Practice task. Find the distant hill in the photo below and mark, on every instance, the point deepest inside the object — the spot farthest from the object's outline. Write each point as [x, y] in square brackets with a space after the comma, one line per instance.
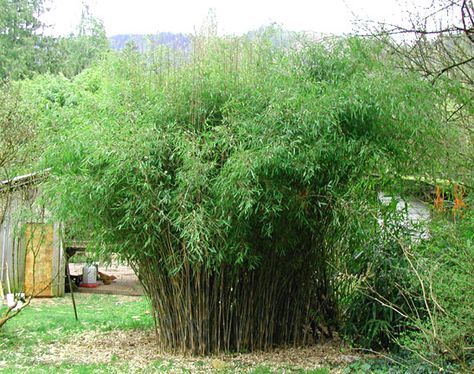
[279, 38]
[144, 42]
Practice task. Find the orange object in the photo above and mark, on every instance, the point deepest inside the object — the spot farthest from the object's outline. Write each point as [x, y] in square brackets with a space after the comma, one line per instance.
[439, 201]
[459, 203]
[89, 285]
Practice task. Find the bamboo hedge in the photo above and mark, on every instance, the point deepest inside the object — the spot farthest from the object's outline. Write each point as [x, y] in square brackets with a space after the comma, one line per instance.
[230, 175]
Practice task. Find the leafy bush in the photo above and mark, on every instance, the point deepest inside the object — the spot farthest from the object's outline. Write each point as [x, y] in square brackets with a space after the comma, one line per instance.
[376, 307]
[232, 177]
[415, 295]
[445, 267]
[17, 130]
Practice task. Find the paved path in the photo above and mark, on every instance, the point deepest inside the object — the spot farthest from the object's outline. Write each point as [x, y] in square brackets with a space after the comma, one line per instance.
[126, 283]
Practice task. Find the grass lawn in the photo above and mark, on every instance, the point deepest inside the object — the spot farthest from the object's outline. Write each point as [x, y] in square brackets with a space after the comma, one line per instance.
[47, 323]
[115, 334]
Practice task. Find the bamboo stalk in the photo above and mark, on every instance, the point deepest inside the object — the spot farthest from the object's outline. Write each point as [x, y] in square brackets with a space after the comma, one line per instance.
[200, 311]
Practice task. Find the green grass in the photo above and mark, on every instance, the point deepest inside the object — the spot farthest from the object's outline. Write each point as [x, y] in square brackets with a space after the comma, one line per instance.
[52, 321]
[68, 368]
[48, 322]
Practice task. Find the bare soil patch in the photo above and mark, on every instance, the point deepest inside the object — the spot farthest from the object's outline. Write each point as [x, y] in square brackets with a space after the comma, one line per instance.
[139, 348]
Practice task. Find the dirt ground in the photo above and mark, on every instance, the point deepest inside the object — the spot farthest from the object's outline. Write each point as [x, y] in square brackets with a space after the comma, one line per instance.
[127, 282]
[139, 348]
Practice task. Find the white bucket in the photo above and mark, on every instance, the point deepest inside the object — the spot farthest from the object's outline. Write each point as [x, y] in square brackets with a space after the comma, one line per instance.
[89, 274]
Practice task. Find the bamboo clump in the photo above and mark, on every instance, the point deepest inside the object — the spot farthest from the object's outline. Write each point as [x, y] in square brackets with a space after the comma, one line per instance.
[203, 311]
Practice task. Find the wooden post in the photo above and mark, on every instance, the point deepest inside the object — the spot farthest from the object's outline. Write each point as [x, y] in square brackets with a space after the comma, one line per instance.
[71, 290]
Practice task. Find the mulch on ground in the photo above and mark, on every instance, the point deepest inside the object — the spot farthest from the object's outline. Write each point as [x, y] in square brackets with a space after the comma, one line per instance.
[139, 348]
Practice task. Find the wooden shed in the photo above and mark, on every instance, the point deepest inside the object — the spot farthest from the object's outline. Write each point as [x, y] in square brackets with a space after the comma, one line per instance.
[32, 259]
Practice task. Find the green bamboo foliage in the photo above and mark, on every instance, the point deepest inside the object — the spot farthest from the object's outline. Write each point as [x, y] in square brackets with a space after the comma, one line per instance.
[220, 172]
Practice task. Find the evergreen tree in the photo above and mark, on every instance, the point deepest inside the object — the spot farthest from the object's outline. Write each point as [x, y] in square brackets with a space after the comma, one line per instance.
[19, 26]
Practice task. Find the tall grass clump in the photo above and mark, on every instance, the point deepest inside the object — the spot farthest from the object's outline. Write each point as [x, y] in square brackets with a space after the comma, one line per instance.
[222, 175]
[444, 266]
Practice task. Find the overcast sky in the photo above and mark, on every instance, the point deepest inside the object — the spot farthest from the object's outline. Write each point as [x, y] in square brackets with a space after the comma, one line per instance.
[233, 16]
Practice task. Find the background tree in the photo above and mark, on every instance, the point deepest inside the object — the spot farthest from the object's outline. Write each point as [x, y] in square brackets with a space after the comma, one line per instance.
[438, 42]
[19, 27]
[16, 130]
[25, 50]
[84, 47]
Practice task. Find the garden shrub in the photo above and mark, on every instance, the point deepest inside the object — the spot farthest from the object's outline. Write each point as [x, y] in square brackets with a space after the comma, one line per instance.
[231, 176]
[445, 265]
[375, 309]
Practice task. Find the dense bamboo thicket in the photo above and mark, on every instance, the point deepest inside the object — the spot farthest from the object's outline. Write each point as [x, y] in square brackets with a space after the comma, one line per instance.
[223, 174]
[203, 311]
